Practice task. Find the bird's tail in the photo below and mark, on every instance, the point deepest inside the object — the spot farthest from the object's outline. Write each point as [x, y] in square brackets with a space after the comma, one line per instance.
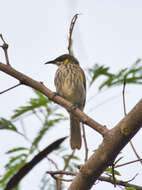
[75, 139]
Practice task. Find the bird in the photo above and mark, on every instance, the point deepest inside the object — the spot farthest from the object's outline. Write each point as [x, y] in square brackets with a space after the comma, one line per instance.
[70, 83]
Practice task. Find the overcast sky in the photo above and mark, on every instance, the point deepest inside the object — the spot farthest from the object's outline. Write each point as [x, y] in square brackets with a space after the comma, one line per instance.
[108, 32]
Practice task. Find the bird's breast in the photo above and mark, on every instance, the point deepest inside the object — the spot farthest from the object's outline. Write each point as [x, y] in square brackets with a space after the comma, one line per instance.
[69, 84]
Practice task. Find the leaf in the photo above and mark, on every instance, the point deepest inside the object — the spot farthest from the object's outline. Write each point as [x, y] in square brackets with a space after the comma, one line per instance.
[130, 188]
[97, 71]
[10, 172]
[16, 159]
[33, 104]
[131, 75]
[16, 149]
[47, 125]
[27, 167]
[109, 170]
[7, 124]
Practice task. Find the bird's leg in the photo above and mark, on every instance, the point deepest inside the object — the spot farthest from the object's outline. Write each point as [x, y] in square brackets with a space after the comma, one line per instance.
[54, 94]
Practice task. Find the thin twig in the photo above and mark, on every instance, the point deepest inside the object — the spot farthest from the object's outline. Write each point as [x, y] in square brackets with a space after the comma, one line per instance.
[119, 182]
[24, 131]
[125, 113]
[10, 88]
[59, 181]
[61, 172]
[85, 143]
[54, 163]
[5, 48]
[70, 31]
[113, 176]
[131, 179]
[38, 117]
[60, 178]
[135, 152]
[127, 163]
[123, 94]
[68, 160]
[101, 178]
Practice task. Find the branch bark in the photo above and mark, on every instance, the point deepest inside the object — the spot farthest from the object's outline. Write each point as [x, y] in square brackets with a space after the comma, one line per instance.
[51, 95]
[114, 139]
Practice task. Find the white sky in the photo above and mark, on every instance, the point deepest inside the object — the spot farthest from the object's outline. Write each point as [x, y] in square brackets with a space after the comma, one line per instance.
[107, 32]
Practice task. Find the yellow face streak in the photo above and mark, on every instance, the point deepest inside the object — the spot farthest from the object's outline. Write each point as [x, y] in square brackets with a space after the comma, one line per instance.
[66, 61]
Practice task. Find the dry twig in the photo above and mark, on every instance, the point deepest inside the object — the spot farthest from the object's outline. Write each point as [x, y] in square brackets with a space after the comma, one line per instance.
[5, 48]
[85, 143]
[125, 113]
[60, 178]
[10, 88]
[127, 163]
[70, 32]
[101, 178]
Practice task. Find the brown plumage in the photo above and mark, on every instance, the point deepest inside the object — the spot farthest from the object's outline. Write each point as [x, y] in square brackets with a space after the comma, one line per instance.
[70, 83]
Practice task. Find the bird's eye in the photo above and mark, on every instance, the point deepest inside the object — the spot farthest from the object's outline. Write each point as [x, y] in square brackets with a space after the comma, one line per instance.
[66, 61]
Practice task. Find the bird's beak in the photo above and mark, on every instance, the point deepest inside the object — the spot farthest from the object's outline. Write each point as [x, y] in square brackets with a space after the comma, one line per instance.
[51, 62]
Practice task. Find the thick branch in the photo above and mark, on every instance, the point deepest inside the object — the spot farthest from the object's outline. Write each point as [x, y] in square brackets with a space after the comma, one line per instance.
[57, 99]
[114, 141]
[28, 166]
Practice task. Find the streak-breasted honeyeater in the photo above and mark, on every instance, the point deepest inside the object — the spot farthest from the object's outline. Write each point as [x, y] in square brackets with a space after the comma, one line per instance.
[70, 83]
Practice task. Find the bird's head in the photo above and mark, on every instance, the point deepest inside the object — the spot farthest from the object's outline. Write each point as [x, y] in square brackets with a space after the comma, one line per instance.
[63, 60]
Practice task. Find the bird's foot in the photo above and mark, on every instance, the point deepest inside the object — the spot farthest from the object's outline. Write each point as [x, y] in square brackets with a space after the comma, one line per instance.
[54, 94]
[73, 107]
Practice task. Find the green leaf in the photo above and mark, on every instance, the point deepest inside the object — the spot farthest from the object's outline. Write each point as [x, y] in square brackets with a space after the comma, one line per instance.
[97, 71]
[7, 124]
[16, 160]
[10, 172]
[16, 150]
[109, 170]
[33, 104]
[28, 166]
[46, 126]
[130, 188]
[131, 75]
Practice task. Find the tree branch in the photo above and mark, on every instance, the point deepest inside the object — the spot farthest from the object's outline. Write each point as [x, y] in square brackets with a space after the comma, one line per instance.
[85, 143]
[5, 48]
[127, 163]
[28, 166]
[114, 139]
[119, 182]
[51, 95]
[125, 113]
[73, 21]
[10, 88]
[101, 178]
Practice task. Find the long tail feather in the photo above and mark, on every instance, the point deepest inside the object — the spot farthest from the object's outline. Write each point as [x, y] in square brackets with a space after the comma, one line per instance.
[75, 139]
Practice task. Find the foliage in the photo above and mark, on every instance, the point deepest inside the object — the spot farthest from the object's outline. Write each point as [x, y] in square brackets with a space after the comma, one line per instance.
[130, 188]
[49, 116]
[131, 75]
[18, 156]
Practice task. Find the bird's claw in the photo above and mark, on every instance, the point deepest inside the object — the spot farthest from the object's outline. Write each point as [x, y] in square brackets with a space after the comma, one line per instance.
[73, 107]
